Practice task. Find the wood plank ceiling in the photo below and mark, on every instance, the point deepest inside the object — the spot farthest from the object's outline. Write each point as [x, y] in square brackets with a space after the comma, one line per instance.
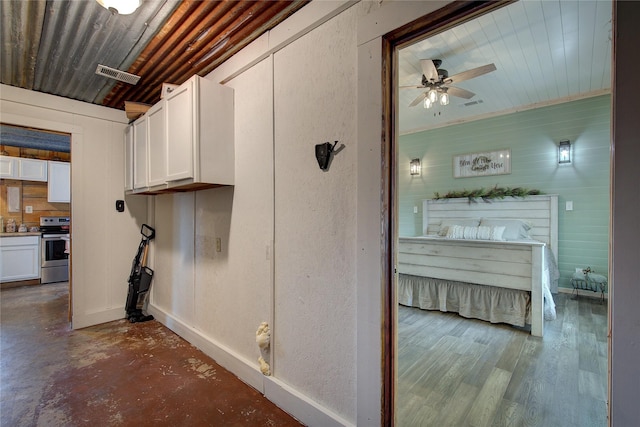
[545, 51]
[55, 46]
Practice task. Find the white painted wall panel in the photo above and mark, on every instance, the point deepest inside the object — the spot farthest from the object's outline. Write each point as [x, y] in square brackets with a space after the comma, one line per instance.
[103, 240]
[315, 222]
[173, 279]
[234, 286]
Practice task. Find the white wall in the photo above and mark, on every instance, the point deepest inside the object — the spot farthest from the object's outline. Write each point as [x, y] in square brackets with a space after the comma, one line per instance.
[104, 241]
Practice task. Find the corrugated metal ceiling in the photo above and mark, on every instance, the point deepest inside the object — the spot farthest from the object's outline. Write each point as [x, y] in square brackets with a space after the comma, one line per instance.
[55, 46]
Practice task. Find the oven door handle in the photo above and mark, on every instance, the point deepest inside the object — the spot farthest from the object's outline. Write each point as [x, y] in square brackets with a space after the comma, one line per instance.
[53, 236]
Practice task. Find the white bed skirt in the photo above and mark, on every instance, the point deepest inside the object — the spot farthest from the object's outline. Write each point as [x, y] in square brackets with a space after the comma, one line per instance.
[492, 304]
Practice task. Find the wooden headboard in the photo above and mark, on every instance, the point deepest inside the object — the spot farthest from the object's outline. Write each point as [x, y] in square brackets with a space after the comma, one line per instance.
[540, 211]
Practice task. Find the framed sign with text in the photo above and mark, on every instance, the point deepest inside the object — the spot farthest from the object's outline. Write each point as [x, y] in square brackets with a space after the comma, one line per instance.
[480, 164]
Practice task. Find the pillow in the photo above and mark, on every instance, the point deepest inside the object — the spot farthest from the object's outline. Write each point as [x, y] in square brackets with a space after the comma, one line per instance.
[473, 233]
[514, 229]
[446, 223]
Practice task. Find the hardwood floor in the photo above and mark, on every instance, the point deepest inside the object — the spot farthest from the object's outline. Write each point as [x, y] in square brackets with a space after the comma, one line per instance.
[454, 371]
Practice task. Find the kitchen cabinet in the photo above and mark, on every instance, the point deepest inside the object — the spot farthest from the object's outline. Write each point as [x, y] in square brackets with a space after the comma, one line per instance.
[23, 168]
[8, 167]
[157, 144]
[20, 258]
[200, 140]
[32, 169]
[185, 142]
[140, 177]
[59, 182]
[128, 158]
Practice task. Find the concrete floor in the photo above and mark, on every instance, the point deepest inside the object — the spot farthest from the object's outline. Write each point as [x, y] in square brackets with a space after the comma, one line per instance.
[115, 374]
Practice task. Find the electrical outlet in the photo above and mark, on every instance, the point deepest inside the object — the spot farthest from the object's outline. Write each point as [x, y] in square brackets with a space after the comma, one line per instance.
[28, 209]
[415, 209]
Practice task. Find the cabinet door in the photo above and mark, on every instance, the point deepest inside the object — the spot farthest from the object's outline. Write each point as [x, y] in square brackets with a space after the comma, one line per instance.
[128, 158]
[180, 132]
[59, 183]
[32, 170]
[157, 144]
[20, 258]
[8, 166]
[140, 153]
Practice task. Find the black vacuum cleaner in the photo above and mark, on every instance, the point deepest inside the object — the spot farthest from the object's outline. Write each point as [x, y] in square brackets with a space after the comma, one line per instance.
[140, 279]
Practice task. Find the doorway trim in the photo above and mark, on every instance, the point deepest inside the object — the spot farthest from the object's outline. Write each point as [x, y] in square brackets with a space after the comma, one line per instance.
[76, 135]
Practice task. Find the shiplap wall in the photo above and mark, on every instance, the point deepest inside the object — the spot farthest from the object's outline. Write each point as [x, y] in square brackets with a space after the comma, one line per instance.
[532, 136]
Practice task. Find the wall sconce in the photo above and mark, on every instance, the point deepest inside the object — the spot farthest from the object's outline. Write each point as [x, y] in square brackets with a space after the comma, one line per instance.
[564, 152]
[414, 167]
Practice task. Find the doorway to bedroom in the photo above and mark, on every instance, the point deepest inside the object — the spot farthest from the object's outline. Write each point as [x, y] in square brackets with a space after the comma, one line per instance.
[517, 81]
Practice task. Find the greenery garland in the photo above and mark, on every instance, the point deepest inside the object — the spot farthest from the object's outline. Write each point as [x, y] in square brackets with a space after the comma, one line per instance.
[488, 194]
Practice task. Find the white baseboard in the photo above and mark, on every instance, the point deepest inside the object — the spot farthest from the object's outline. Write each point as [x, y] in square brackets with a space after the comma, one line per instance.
[286, 398]
[300, 407]
[223, 356]
[84, 320]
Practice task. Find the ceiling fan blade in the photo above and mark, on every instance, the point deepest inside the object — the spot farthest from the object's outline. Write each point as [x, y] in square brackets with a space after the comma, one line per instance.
[469, 74]
[418, 100]
[460, 93]
[429, 70]
[411, 87]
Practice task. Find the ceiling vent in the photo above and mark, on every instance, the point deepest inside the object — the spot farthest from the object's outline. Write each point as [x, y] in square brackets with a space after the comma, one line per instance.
[469, 104]
[112, 73]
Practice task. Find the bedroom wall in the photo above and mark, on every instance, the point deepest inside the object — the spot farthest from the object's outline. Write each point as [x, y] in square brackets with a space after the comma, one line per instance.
[532, 136]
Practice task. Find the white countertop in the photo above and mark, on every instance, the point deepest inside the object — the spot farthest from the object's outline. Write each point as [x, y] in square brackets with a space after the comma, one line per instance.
[18, 234]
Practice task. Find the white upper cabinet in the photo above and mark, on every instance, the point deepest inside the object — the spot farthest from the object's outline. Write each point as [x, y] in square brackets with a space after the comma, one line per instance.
[180, 131]
[184, 142]
[128, 158]
[59, 182]
[200, 135]
[23, 168]
[157, 144]
[140, 177]
[32, 169]
[8, 167]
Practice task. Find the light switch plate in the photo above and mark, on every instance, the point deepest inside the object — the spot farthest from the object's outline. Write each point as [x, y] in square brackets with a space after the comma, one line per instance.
[28, 209]
[569, 205]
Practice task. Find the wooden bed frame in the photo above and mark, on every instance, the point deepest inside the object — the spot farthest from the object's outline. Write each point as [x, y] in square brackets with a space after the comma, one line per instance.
[511, 264]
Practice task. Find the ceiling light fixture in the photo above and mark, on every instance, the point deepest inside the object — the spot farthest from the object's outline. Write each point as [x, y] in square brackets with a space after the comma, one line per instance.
[434, 95]
[444, 98]
[121, 7]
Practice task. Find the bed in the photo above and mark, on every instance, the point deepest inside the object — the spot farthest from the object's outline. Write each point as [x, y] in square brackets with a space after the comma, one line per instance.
[492, 260]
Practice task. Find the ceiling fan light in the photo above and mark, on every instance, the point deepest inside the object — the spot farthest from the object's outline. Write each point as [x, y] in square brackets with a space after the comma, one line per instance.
[427, 102]
[433, 96]
[444, 99]
[121, 7]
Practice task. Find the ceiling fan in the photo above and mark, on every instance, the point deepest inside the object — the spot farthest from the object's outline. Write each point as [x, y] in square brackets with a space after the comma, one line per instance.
[437, 82]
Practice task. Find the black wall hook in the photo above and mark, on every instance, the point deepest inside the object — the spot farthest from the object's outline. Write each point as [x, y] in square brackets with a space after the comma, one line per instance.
[324, 153]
